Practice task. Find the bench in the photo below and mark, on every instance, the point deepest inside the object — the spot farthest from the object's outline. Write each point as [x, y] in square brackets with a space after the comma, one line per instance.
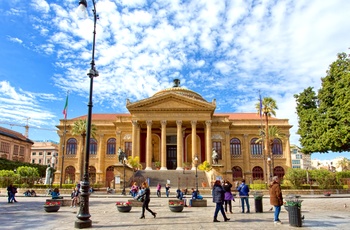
[135, 203]
[64, 202]
[199, 203]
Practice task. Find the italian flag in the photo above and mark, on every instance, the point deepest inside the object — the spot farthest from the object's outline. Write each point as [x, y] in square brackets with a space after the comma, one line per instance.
[65, 108]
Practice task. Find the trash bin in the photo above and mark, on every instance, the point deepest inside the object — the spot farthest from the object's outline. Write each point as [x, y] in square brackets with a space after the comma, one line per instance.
[258, 196]
[293, 206]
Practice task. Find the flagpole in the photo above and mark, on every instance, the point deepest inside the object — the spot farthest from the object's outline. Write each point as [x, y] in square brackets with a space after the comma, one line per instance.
[65, 110]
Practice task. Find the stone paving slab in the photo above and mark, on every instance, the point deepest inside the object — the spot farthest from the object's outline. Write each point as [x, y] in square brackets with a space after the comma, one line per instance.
[28, 213]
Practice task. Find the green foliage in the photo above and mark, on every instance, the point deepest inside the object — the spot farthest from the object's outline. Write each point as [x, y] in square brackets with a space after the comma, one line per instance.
[324, 118]
[324, 178]
[295, 177]
[205, 166]
[11, 165]
[134, 162]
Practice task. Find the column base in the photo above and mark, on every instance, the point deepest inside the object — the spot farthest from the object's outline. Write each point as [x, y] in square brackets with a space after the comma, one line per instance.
[163, 168]
[148, 168]
[179, 168]
[83, 224]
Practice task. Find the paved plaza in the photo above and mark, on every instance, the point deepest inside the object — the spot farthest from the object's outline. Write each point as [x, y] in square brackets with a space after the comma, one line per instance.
[28, 213]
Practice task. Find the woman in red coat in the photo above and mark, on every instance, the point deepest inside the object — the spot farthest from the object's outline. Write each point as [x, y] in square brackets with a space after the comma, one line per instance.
[276, 198]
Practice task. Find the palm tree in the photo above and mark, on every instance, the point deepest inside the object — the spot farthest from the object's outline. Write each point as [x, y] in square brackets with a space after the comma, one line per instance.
[343, 164]
[79, 128]
[267, 108]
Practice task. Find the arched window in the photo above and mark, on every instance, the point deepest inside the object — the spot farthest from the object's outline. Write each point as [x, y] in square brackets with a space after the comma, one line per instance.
[71, 146]
[255, 148]
[111, 146]
[279, 171]
[237, 173]
[69, 175]
[93, 146]
[258, 173]
[277, 147]
[235, 147]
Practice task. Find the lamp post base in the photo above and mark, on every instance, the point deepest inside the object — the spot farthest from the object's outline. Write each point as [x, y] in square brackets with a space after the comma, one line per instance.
[83, 224]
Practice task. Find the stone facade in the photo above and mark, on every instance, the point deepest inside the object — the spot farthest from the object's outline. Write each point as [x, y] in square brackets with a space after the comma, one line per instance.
[173, 127]
[14, 146]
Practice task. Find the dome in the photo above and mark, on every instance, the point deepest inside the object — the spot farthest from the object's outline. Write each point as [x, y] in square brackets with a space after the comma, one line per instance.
[181, 91]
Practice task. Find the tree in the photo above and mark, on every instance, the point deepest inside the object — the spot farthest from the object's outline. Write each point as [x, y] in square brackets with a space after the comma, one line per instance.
[267, 108]
[324, 119]
[79, 128]
[343, 164]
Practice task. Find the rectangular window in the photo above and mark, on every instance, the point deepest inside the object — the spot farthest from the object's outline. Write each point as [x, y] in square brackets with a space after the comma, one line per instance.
[40, 153]
[33, 153]
[128, 148]
[39, 161]
[5, 147]
[217, 147]
[15, 150]
[21, 151]
[33, 161]
[48, 153]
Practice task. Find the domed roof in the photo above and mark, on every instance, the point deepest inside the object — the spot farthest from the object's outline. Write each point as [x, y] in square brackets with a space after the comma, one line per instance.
[181, 91]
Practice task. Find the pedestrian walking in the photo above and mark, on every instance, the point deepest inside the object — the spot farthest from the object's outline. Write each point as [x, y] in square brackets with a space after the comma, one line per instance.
[276, 198]
[243, 190]
[158, 189]
[228, 196]
[146, 195]
[167, 190]
[218, 198]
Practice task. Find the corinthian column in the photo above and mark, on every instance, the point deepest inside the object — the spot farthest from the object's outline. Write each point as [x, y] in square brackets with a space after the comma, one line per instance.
[149, 146]
[208, 144]
[163, 147]
[194, 142]
[134, 138]
[179, 145]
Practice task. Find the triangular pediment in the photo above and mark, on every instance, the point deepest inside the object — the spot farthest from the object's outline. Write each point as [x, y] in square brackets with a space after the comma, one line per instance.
[170, 102]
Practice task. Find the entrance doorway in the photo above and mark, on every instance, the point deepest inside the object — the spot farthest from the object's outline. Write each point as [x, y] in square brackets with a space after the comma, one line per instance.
[171, 151]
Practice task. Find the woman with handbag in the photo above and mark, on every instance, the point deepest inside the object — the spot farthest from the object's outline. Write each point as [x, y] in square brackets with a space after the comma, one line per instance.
[146, 195]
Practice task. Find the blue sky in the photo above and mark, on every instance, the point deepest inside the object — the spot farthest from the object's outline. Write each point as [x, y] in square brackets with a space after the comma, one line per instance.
[224, 50]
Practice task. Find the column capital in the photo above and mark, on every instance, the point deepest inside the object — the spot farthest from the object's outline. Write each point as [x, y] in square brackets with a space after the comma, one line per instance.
[208, 122]
[134, 122]
[149, 122]
[193, 123]
[163, 122]
[178, 122]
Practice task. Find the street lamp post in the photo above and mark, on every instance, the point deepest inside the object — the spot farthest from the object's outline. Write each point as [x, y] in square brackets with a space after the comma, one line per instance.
[124, 160]
[196, 164]
[269, 168]
[84, 215]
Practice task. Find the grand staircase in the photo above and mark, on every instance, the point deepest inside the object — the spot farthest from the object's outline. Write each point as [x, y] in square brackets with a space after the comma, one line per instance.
[177, 178]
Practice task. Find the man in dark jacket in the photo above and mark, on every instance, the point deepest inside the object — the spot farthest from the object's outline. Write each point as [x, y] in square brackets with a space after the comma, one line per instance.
[243, 190]
[218, 198]
[276, 198]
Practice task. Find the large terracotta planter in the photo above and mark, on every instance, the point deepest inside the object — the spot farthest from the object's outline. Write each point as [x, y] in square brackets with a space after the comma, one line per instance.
[176, 208]
[53, 208]
[122, 208]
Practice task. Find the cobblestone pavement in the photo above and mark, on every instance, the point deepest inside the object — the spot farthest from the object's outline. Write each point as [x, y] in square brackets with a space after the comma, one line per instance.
[319, 213]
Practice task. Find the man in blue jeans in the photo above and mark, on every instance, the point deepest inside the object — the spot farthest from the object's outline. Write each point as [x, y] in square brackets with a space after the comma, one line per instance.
[243, 190]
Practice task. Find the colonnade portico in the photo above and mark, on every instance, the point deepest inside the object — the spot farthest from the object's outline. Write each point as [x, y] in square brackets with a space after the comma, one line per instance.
[181, 126]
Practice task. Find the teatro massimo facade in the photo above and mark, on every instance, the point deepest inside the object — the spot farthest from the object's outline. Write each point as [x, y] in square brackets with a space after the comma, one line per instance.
[172, 127]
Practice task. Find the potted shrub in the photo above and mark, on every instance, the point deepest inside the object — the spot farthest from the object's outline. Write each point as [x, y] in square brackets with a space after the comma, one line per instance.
[123, 206]
[52, 206]
[176, 206]
[157, 164]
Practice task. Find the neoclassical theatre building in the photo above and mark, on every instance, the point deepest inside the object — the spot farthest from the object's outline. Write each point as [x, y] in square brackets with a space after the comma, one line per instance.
[172, 127]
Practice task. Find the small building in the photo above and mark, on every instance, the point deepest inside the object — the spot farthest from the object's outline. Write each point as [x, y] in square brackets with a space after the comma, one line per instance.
[14, 146]
[299, 159]
[44, 153]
